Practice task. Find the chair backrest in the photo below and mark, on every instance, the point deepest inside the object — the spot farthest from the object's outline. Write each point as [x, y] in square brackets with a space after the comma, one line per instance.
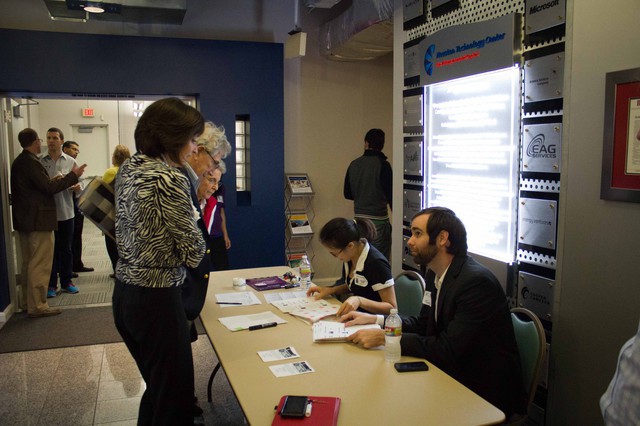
[409, 288]
[532, 344]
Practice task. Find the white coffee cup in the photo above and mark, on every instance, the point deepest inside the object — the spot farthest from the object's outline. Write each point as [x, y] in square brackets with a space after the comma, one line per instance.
[239, 283]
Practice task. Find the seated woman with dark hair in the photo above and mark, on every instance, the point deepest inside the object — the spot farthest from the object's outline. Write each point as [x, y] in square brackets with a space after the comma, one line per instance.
[366, 273]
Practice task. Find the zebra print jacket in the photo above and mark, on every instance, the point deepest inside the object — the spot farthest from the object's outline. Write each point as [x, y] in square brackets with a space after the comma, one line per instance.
[156, 229]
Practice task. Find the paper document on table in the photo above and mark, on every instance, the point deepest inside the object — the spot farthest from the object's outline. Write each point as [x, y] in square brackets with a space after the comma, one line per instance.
[288, 305]
[278, 354]
[244, 298]
[284, 295]
[328, 331]
[243, 322]
[283, 370]
[307, 308]
[315, 310]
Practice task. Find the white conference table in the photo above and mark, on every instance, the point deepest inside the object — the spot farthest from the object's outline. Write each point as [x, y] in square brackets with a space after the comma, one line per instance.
[371, 390]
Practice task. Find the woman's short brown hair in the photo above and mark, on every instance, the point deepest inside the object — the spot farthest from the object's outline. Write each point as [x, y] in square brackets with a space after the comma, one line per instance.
[120, 153]
[165, 127]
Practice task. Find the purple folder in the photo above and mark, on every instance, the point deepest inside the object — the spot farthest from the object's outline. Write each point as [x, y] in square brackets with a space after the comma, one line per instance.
[266, 283]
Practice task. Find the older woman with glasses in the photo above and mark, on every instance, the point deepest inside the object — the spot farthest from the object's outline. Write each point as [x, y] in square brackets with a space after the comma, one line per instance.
[366, 273]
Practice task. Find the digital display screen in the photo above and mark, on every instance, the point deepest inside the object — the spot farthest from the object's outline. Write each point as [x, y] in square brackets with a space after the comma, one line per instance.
[472, 131]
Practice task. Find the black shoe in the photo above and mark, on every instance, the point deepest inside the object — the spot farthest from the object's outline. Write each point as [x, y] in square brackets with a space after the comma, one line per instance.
[74, 275]
[197, 411]
[83, 269]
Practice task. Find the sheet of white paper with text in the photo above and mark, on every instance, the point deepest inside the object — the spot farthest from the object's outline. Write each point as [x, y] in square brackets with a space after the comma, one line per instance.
[278, 354]
[283, 370]
[284, 295]
[243, 322]
[245, 298]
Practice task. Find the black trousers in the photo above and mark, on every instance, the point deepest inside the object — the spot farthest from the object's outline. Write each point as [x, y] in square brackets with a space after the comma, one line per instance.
[154, 327]
[112, 251]
[219, 256]
[76, 246]
[62, 255]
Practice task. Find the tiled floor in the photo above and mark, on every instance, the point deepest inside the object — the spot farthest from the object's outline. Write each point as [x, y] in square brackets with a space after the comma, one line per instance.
[95, 385]
[95, 287]
[98, 384]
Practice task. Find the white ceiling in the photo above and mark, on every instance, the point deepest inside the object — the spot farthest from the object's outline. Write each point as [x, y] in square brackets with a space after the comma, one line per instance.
[241, 20]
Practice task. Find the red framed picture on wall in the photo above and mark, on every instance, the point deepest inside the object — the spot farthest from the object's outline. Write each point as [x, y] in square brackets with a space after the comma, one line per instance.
[621, 149]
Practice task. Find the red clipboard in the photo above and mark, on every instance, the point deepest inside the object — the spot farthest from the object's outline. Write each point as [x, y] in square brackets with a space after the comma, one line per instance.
[324, 412]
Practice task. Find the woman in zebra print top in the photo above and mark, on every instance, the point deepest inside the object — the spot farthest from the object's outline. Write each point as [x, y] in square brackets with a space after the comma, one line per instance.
[157, 237]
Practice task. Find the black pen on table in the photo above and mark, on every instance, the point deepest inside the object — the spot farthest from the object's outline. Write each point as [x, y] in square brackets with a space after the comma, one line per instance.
[228, 303]
[261, 326]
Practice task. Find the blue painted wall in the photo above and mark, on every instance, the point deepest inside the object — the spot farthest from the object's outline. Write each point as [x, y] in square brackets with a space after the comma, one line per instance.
[229, 78]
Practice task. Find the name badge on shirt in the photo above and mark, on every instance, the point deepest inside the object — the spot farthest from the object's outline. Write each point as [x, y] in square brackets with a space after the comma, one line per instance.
[360, 280]
[426, 299]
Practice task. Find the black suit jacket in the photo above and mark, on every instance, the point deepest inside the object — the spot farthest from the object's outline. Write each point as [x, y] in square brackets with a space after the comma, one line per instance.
[194, 288]
[473, 339]
[34, 208]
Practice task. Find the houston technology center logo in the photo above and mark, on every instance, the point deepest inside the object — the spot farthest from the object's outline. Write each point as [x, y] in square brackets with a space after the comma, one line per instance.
[436, 59]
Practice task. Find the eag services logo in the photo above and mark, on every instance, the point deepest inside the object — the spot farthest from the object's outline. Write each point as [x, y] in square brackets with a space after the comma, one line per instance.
[428, 59]
[537, 148]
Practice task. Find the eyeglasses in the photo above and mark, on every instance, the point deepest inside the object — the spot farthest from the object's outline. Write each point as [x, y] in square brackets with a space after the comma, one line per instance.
[212, 159]
[338, 253]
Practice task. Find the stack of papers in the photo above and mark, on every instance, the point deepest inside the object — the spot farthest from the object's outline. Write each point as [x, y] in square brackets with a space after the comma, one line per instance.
[307, 308]
[327, 331]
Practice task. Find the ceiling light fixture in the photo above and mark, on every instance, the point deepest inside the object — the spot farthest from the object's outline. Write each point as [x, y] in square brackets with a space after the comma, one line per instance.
[93, 7]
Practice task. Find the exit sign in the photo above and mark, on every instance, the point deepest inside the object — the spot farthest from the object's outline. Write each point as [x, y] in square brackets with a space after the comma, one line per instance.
[87, 112]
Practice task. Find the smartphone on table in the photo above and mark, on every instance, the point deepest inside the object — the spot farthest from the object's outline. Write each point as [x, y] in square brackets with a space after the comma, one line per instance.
[294, 406]
[404, 367]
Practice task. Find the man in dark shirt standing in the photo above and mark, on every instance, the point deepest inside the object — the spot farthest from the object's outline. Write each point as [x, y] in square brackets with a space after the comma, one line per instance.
[464, 326]
[72, 149]
[34, 218]
[369, 182]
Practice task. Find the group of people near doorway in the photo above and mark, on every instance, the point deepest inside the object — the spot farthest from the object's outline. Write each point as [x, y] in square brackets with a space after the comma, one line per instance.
[44, 195]
[35, 186]
[37, 214]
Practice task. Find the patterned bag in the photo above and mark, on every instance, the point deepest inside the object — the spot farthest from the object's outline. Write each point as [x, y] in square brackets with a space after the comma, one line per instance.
[97, 203]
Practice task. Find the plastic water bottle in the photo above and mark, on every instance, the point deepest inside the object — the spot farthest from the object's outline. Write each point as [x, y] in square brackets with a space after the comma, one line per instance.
[305, 272]
[392, 336]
